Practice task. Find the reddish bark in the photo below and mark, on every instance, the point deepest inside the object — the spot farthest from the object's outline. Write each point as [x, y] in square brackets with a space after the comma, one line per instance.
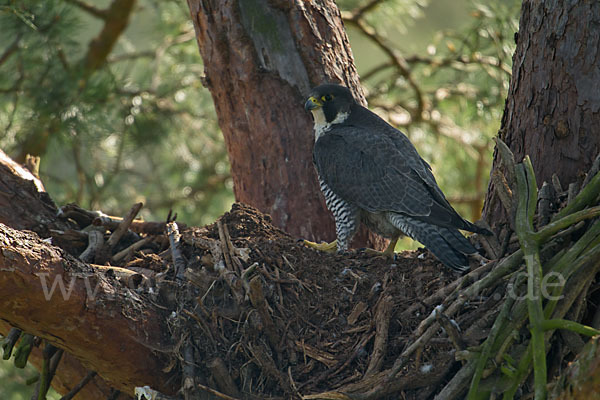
[109, 331]
[99, 332]
[553, 107]
[261, 58]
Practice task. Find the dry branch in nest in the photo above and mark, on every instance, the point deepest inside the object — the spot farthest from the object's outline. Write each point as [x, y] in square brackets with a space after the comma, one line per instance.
[240, 310]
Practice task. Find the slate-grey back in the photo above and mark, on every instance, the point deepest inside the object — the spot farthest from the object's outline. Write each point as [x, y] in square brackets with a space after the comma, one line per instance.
[376, 174]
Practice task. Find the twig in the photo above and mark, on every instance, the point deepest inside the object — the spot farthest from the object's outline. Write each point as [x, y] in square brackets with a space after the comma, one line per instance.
[189, 370]
[443, 293]
[573, 289]
[257, 298]
[265, 361]
[334, 371]
[216, 393]
[546, 197]
[572, 192]
[203, 325]
[565, 222]
[556, 183]
[451, 329]
[552, 324]
[90, 375]
[104, 253]
[95, 243]
[524, 225]
[124, 225]
[178, 260]
[458, 384]
[131, 249]
[9, 342]
[223, 378]
[486, 350]
[382, 323]
[10, 50]
[137, 225]
[23, 350]
[224, 246]
[585, 197]
[52, 356]
[505, 267]
[96, 12]
[399, 63]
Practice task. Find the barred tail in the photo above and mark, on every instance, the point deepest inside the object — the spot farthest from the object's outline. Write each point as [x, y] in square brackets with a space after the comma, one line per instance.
[447, 244]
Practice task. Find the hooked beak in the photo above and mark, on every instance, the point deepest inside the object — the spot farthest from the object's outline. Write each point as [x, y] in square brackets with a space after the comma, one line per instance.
[312, 103]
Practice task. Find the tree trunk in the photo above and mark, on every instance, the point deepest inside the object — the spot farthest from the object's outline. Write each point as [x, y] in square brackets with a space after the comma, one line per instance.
[261, 58]
[106, 330]
[109, 330]
[553, 107]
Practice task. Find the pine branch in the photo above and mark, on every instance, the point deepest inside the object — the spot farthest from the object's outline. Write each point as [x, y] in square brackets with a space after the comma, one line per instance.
[96, 12]
[100, 47]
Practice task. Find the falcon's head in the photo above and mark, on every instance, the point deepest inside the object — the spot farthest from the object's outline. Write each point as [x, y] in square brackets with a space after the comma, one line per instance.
[329, 103]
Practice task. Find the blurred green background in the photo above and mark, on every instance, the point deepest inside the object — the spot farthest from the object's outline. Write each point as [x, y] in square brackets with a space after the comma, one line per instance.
[143, 128]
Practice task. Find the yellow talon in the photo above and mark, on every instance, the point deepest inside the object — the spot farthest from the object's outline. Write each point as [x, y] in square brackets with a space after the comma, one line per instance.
[388, 252]
[327, 247]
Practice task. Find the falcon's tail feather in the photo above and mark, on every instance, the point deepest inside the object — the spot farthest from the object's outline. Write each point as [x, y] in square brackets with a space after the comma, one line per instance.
[447, 244]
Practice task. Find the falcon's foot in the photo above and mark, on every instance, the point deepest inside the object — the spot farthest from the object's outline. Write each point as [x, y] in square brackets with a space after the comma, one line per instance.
[388, 252]
[327, 247]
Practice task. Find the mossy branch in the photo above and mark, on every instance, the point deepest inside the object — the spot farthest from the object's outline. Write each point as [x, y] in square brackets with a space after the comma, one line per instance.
[552, 324]
[587, 196]
[527, 199]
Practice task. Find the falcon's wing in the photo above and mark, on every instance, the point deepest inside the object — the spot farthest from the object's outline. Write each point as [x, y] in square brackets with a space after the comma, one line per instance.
[378, 169]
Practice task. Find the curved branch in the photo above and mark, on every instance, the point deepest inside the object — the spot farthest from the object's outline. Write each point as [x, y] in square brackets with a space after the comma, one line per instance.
[96, 12]
[398, 61]
[116, 21]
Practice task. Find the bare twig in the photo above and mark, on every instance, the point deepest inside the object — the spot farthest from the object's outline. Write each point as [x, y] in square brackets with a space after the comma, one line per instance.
[178, 260]
[131, 249]
[90, 375]
[95, 243]
[124, 225]
[382, 323]
[215, 393]
[96, 12]
[224, 380]
[257, 298]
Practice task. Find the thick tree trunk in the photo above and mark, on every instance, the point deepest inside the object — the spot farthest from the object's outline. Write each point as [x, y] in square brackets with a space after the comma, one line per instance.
[261, 58]
[111, 333]
[108, 330]
[552, 112]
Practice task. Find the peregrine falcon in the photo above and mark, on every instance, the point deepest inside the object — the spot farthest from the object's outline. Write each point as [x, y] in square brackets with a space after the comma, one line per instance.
[370, 172]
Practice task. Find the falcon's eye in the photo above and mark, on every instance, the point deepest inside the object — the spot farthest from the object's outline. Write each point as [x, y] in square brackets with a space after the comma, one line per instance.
[327, 97]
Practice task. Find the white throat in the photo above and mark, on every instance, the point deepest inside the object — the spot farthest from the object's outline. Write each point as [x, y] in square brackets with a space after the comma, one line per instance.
[321, 124]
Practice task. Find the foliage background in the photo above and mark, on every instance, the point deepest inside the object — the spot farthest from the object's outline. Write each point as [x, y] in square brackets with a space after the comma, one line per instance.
[143, 128]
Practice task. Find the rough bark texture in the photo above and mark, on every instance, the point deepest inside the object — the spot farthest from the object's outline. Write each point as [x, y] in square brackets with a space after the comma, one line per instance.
[93, 330]
[261, 58]
[108, 330]
[553, 108]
